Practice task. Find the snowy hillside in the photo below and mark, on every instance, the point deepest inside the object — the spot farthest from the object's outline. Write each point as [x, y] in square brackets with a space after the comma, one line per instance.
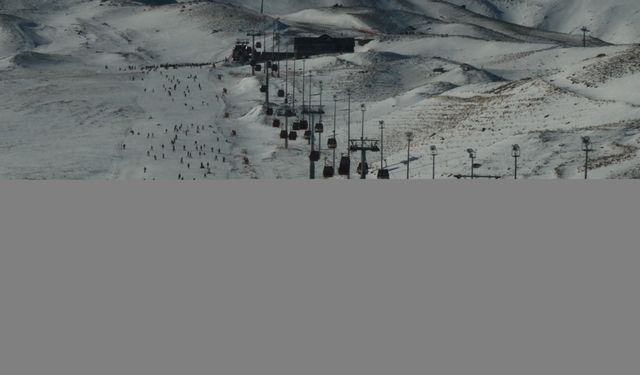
[79, 101]
[613, 21]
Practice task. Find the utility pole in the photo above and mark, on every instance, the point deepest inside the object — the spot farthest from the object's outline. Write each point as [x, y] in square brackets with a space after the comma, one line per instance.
[409, 136]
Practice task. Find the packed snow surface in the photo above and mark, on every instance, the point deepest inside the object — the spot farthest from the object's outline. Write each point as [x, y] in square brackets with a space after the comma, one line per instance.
[83, 94]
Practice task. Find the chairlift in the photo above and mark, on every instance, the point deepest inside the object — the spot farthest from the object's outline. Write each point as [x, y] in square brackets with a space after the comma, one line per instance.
[319, 127]
[304, 125]
[276, 123]
[307, 134]
[281, 93]
[283, 134]
[328, 171]
[383, 174]
[366, 168]
[293, 135]
[314, 156]
[332, 143]
[296, 125]
[345, 165]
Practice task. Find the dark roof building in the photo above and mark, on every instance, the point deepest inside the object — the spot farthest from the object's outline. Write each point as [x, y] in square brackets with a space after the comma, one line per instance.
[306, 47]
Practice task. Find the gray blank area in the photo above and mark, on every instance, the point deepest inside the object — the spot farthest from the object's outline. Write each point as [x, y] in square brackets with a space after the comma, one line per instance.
[305, 279]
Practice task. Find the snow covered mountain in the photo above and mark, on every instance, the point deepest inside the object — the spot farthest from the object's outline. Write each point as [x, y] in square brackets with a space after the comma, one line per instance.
[76, 103]
[613, 21]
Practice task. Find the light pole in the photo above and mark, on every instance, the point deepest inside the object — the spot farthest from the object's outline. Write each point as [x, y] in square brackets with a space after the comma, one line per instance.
[472, 156]
[363, 162]
[320, 109]
[381, 144]
[286, 101]
[348, 128]
[335, 116]
[434, 153]
[409, 136]
[587, 147]
[515, 152]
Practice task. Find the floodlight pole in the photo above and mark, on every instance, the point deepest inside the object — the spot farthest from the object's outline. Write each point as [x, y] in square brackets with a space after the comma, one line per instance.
[312, 163]
[335, 115]
[409, 139]
[587, 147]
[363, 170]
[434, 153]
[286, 100]
[381, 144]
[586, 165]
[320, 109]
[348, 128]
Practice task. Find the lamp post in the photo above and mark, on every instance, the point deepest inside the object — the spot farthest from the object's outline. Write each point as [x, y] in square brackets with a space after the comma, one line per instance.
[348, 128]
[515, 152]
[381, 144]
[363, 159]
[434, 153]
[472, 156]
[409, 136]
[587, 147]
[335, 116]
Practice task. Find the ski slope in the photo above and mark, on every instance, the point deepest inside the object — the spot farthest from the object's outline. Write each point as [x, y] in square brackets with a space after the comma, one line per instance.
[77, 103]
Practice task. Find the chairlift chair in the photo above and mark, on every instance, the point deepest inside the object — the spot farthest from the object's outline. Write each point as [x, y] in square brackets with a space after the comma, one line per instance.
[366, 168]
[304, 125]
[383, 174]
[283, 134]
[258, 45]
[274, 67]
[281, 93]
[328, 171]
[258, 68]
[345, 165]
[319, 127]
[276, 123]
[263, 88]
[314, 156]
[269, 111]
[296, 126]
[307, 134]
[293, 135]
[332, 143]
